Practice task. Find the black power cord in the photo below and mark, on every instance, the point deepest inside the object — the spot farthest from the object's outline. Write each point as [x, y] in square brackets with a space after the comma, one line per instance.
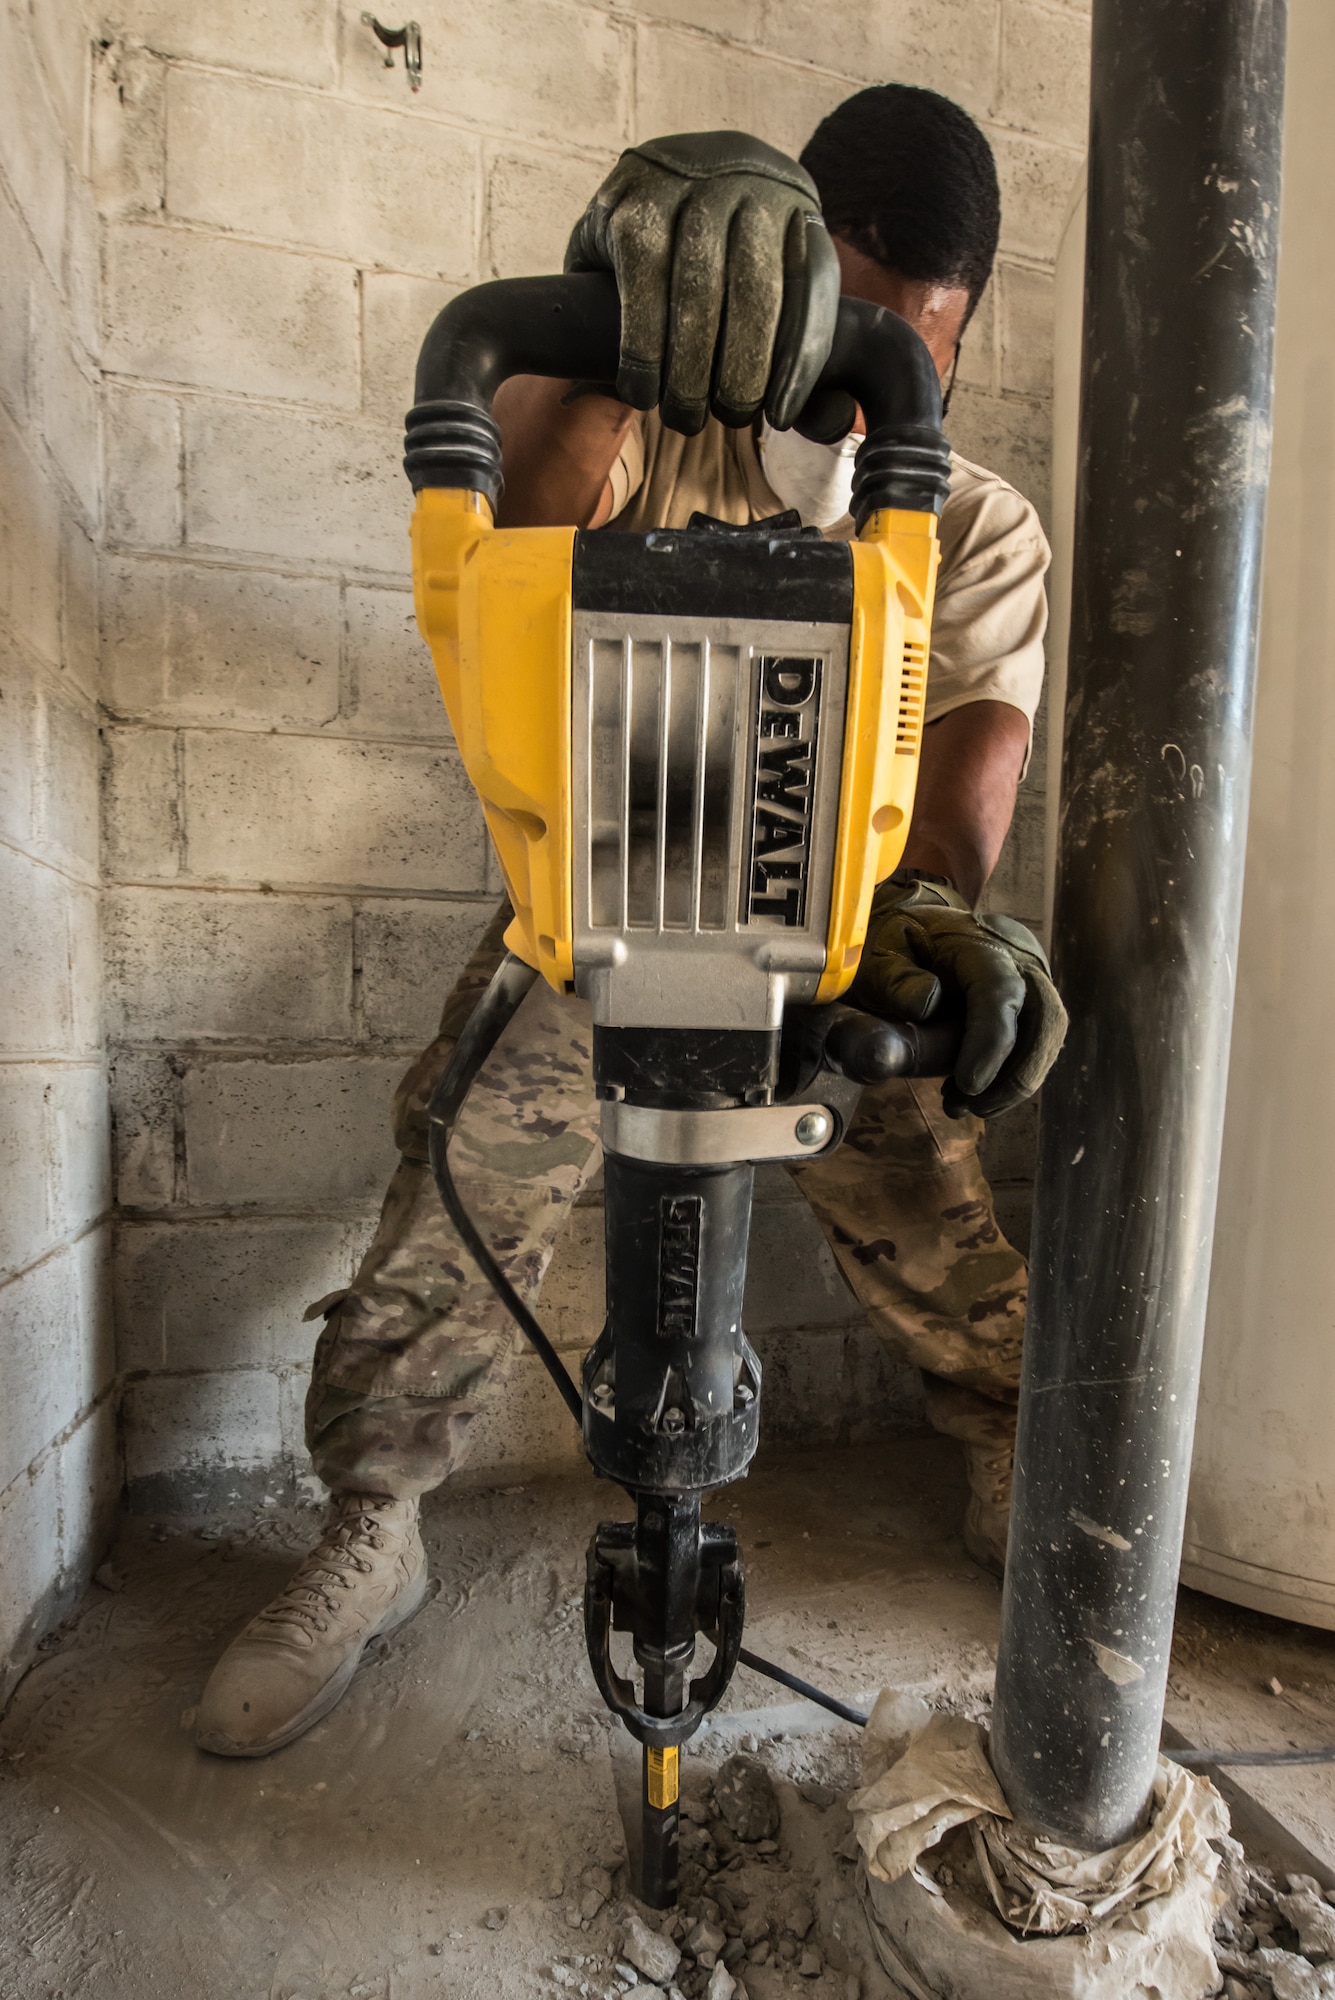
[799, 1686]
[1194, 1758]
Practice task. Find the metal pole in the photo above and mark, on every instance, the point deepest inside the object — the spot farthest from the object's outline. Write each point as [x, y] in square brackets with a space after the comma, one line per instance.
[1174, 445]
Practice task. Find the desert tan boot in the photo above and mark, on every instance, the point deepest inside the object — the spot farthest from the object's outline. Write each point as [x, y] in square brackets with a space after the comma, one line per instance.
[365, 1577]
[987, 1517]
[985, 1427]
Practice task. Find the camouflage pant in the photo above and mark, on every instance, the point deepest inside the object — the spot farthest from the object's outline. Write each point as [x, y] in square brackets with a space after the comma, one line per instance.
[419, 1340]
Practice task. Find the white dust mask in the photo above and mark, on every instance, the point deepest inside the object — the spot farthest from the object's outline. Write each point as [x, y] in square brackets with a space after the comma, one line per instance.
[816, 479]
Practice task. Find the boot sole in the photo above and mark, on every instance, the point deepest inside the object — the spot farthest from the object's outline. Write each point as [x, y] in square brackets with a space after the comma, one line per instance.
[400, 1612]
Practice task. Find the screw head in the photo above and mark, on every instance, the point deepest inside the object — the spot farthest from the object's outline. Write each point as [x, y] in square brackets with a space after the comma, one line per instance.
[673, 1422]
[813, 1128]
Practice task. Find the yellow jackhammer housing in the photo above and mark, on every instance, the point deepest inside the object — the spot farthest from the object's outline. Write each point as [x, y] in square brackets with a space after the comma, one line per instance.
[696, 750]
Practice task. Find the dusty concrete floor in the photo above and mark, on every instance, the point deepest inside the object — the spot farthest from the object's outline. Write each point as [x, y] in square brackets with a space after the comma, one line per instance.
[471, 1769]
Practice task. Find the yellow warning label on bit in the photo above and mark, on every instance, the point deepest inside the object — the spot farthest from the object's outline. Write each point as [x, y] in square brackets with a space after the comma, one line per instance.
[660, 1776]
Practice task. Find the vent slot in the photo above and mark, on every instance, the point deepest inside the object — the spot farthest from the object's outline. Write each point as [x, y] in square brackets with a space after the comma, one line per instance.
[718, 751]
[645, 688]
[912, 698]
[608, 669]
[681, 788]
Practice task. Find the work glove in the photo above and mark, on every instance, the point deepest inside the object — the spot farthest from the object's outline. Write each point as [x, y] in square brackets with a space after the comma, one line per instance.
[928, 954]
[729, 281]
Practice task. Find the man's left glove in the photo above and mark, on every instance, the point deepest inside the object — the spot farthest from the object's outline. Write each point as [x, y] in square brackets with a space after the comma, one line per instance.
[927, 953]
[729, 281]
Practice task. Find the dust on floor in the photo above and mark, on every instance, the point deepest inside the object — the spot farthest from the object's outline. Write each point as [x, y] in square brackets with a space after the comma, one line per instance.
[442, 1832]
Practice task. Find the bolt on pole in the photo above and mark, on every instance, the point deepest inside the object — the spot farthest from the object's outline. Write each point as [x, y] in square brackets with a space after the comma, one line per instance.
[1183, 229]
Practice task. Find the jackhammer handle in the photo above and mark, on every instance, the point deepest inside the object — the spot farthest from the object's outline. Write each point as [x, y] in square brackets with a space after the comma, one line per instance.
[869, 1050]
[571, 326]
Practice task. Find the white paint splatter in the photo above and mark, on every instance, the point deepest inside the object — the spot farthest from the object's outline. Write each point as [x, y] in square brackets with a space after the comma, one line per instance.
[1121, 1671]
[1100, 1534]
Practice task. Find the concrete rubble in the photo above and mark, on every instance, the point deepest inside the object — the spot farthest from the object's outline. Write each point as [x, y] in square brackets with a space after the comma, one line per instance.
[745, 1797]
[1271, 1939]
[746, 1924]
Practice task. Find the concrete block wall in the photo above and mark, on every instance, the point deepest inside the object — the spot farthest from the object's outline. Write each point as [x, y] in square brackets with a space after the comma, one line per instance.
[295, 868]
[58, 1467]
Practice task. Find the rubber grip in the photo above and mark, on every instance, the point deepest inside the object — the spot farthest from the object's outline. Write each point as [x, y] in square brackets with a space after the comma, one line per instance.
[869, 1050]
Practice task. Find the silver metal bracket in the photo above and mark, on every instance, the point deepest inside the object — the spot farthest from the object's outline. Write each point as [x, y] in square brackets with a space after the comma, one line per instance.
[717, 1138]
[408, 38]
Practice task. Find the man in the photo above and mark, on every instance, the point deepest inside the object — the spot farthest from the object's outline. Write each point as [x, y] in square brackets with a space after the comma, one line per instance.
[729, 284]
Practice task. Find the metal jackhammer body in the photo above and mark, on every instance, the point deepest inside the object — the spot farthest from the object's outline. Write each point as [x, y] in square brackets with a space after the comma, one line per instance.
[696, 750]
[671, 1409]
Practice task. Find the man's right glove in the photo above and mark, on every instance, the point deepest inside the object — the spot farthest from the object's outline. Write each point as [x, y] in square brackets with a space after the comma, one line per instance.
[926, 952]
[729, 281]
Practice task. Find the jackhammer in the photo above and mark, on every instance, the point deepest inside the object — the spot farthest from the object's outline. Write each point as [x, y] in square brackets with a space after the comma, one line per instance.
[696, 751]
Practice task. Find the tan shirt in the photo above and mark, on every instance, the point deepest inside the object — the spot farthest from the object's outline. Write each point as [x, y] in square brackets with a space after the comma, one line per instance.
[991, 608]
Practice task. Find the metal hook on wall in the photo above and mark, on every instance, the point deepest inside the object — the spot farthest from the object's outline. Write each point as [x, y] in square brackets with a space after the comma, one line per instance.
[408, 38]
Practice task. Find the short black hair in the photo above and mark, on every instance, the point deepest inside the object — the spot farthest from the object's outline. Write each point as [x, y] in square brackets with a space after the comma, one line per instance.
[906, 177]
